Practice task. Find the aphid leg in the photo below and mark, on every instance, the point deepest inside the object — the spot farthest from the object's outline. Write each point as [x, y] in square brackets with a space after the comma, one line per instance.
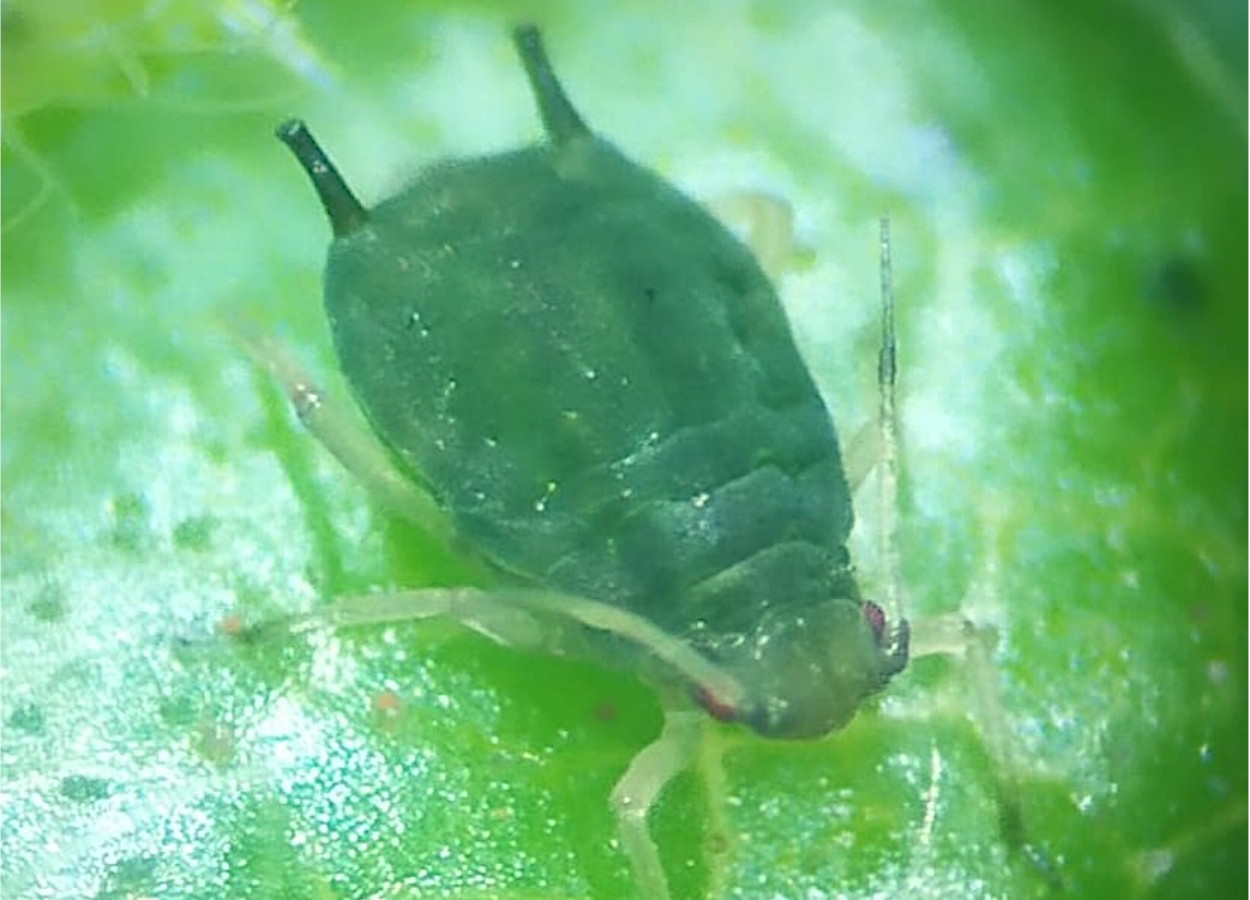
[634, 795]
[341, 431]
[974, 645]
[764, 221]
[488, 614]
[860, 455]
[536, 619]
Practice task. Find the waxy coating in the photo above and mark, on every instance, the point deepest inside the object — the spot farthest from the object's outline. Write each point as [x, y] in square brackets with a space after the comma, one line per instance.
[596, 381]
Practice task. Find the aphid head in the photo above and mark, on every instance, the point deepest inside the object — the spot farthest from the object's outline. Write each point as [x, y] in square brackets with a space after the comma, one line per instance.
[805, 675]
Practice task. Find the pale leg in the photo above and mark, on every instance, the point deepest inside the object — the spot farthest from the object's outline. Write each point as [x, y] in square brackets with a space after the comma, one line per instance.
[634, 795]
[860, 455]
[530, 618]
[765, 222]
[974, 645]
[539, 621]
[487, 614]
[341, 430]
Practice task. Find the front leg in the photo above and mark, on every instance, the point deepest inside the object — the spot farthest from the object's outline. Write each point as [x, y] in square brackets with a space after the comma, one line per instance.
[973, 645]
[555, 624]
[634, 795]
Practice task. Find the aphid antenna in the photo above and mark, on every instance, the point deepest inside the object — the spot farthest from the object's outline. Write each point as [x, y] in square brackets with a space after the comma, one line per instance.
[887, 423]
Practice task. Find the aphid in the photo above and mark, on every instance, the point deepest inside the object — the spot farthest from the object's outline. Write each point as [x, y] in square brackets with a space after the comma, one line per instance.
[578, 372]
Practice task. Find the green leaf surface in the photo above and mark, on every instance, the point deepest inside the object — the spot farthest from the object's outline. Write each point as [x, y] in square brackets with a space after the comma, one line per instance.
[1067, 190]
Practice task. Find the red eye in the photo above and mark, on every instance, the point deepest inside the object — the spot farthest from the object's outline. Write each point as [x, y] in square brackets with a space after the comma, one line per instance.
[718, 710]
[876, 618]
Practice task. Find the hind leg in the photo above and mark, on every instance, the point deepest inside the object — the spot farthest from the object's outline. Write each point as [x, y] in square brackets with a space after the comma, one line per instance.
[341, 430]
[766, 224]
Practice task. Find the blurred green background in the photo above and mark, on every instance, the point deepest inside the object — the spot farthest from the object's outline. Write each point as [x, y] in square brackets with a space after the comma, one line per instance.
[1067, 186]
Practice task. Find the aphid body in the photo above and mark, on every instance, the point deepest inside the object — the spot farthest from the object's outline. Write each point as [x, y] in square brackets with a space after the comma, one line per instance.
[597, 383]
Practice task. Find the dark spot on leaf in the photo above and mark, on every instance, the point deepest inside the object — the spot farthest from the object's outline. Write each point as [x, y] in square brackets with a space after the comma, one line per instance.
[177, 712]
[28, 717]
[130, 522]
[15, 26]
[194, 533]
[50, 605]
[84, 788]
[215, 742]
[1176, 286]
[135, 876]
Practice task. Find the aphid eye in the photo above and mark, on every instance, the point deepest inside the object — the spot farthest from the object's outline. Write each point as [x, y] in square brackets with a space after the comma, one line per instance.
[716, 708]
[876, 618]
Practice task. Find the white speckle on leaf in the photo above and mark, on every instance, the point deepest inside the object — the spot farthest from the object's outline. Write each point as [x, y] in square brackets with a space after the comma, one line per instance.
[540, 505]
[1217, 671]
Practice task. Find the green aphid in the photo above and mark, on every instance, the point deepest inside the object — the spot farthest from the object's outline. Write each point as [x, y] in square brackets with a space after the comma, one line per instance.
[581, 374]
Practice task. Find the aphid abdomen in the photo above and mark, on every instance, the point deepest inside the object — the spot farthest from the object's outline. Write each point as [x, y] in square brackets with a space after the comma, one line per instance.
[589, 372]
[670, 534]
